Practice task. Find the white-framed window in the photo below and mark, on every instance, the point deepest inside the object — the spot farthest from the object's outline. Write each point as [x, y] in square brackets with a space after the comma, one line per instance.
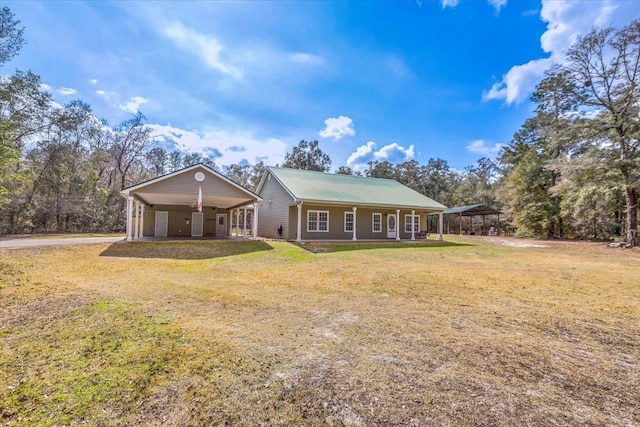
[348, 222]
[376, 222]
[318, 221]
[407, 223]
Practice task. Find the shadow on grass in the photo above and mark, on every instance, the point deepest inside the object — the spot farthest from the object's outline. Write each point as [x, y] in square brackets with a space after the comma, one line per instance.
[329, 247]
[183, 250]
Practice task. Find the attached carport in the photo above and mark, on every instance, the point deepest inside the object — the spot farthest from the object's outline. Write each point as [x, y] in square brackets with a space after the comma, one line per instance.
[470, 212]
[196, 201]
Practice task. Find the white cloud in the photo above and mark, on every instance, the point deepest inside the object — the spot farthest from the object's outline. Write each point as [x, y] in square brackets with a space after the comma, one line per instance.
[399, 67]
[67, 91]
[306, 58]
[94, 81]
[133, 105]
[392, 153]
[205, 46]
[449, 3]
[229, 146]
[566, 21]
[338, 127]
[45, 87]
[101, 92]
[498, 4]
[485, 148]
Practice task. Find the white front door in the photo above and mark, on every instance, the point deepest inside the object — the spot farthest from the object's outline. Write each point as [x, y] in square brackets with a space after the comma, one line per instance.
[221, 224]
[392, 225]
[162, 223]
[196, 224]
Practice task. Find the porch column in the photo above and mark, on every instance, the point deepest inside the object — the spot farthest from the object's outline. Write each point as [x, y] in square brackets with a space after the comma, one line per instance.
[244, 222]
[354, 223]
[129, 224]
[141, 220]
[254, 222]
[498, 227]
[299, 236]
[136, 209]
[461, 224]
[398, 224]
[413, 221]
[440, 224]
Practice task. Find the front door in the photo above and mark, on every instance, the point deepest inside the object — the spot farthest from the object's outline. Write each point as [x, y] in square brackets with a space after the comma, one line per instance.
[162, 223]
[392, 224]
[221, 224]
[196, 224]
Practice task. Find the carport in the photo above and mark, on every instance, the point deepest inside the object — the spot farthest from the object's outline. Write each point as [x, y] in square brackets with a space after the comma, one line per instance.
[195, 201]
[470, 212]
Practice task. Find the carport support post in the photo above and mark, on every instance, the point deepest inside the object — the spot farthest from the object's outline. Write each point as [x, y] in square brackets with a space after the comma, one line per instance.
[254, 222]
[354, 224]
[440, 223]
[129, 217]
[413, 221]
[398, 224]
[141, 220]
[244, 222]
[299, 236]
[136, 208]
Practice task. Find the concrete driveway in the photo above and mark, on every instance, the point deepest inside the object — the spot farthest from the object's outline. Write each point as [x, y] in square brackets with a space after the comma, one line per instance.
[28, 242]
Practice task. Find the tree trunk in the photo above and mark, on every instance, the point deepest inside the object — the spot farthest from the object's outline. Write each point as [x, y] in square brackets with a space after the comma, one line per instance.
[631, 235]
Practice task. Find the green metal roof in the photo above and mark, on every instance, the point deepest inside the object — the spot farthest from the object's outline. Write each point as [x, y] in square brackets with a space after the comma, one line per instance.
[348, 189]
[472, 210]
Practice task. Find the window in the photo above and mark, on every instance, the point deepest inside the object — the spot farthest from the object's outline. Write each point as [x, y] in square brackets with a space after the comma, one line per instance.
[407, 223]
[318, 221]
[348, 222]
[376, 220]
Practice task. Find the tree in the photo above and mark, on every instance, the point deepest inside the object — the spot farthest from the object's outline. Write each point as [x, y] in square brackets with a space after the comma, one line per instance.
[240, 174]
[344, 170]
[11, 35]
[307, 155]
[377, 169]
[603, 74]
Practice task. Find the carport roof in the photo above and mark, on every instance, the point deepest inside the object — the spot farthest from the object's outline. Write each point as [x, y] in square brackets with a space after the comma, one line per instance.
[181, 188]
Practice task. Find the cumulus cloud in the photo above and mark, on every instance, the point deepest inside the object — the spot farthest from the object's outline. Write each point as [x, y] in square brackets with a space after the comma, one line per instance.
[224, 146]
[498, 4]
[45, 87]
[566, 21]
[392, 153]
[67, 91]
[485, 148]
[337, 127]
[133, 105]
[101, 92]
[94, 81]
[207, 47]
[449, 3]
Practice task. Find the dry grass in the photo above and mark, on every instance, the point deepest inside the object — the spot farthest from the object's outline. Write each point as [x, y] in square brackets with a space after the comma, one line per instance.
[272, 333]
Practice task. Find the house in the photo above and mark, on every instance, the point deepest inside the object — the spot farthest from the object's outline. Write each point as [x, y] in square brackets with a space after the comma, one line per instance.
[194, 201]
[305, 205]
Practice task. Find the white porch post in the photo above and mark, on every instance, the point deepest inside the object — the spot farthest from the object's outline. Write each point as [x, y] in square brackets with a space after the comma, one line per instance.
[141, 220]
[398, 228]
[413, 221]
[440, 225]
[129, 225]
[254, 222]
[354, 224]
[136, 209]
[299, 236]
[244, 222]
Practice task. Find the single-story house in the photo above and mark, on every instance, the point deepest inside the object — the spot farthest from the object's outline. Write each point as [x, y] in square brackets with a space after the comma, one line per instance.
[305, 205]
[194, 201]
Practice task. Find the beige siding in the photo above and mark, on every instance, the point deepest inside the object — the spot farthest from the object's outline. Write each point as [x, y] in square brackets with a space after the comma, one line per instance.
[364, 223]
[274, 210]
[178, 216]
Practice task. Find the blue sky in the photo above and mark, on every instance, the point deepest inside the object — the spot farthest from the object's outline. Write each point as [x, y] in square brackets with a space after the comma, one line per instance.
[371, 80]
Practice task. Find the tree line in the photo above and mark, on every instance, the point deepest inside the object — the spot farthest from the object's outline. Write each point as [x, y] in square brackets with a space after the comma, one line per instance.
[571, 171]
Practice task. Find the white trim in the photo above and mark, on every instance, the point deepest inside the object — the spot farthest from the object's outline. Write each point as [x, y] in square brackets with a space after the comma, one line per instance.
[264, 178]
[299, 228]
[352, 221]
[226, 225]
[373, 214]
[398, 225]
[355, 224]
[318, 221]
[413, 223]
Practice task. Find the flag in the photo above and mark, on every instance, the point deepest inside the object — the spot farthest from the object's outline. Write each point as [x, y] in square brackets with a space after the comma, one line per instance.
[199, 199]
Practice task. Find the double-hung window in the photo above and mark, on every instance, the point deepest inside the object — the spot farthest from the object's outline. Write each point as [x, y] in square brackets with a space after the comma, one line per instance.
[348, 222]
[408, 221]
[318, 221]
[376, 221]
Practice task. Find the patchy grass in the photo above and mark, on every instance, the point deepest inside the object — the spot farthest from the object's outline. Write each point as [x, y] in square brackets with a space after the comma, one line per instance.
[200, 333]
[325, 247]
